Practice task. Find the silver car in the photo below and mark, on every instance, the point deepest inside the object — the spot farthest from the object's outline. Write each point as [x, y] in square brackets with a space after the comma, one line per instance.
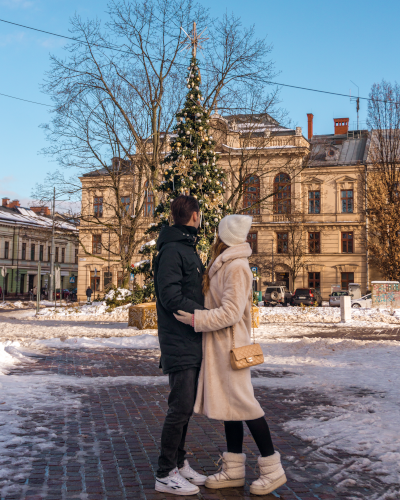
[334, 298]
[365, 301]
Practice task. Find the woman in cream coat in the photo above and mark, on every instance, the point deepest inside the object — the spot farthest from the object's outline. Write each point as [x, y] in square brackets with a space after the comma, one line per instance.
[223, 393]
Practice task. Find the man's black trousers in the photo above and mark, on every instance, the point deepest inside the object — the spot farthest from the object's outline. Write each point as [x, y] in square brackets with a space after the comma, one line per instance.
[181, 400]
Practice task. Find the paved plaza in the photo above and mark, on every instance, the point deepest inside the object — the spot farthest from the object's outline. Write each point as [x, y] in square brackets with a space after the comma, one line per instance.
[107, 447]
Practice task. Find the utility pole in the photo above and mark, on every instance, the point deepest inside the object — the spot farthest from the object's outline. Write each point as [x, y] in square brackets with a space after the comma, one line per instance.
[52, 277]
[357, 100]
[272, 259]
[38, 286]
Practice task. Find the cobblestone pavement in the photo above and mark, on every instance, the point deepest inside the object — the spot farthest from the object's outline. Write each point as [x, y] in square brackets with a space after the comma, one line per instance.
[107, 448]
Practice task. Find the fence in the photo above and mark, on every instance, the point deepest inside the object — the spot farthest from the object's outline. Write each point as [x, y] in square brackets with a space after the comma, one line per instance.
[385, 294]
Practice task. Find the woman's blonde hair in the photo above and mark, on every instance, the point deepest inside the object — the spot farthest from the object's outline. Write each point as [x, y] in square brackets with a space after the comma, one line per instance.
[217, 248]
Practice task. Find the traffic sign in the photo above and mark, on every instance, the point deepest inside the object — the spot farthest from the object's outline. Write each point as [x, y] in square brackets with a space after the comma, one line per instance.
[72, 279]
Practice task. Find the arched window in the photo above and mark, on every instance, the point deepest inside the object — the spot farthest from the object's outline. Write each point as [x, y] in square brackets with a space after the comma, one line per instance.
[251, 195]
[283, 192]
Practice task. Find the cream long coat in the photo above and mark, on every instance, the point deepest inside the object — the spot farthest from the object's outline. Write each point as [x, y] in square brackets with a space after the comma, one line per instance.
[224, 393]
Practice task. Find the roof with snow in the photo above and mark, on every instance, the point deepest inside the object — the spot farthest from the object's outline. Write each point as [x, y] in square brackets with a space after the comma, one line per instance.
[335, 149]
[27, 217]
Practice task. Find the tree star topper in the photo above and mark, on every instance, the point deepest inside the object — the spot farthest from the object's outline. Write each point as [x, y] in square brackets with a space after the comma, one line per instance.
[194, 40]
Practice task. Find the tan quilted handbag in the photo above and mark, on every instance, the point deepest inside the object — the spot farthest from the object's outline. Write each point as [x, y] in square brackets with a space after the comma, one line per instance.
[248, 355]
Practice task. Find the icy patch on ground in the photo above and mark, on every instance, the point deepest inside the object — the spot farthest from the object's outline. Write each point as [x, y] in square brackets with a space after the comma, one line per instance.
[27, 405]
[145, 341]
[362, 380]
[360, 317]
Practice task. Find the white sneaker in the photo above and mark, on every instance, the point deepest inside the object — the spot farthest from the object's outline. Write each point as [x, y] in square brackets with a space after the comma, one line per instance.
[176, 484]
[191, 475]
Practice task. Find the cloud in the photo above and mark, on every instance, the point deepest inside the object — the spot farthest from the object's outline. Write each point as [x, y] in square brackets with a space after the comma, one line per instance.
[12, 39]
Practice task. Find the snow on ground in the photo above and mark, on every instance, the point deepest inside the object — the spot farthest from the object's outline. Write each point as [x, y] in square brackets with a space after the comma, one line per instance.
[362, 380]
[19, 304]
[144, 341]
[96, 311]
[360, 317]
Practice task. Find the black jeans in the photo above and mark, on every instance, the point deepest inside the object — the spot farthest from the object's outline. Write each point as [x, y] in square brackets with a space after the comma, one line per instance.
[181, 400]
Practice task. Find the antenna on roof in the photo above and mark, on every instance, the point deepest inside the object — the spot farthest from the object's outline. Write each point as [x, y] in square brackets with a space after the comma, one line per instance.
[357, 101]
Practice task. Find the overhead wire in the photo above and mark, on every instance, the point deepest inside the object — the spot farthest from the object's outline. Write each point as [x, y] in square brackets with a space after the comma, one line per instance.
[127, 52]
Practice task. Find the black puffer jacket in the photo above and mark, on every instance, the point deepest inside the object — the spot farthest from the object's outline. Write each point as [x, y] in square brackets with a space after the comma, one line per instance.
[178, 274]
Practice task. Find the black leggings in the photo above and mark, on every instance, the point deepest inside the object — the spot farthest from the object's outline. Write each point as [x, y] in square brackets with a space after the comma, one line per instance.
[259, 430]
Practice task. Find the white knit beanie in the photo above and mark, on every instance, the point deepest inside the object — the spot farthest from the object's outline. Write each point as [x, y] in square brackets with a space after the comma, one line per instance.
[233, 229]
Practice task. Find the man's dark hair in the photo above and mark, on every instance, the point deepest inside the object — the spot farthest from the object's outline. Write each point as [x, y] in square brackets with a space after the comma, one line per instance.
[183, 207]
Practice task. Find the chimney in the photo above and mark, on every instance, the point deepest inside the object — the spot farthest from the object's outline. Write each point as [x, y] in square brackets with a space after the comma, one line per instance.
[4, 202]
[341, 125]
[310, 117]
[41, 210]
[13, 204]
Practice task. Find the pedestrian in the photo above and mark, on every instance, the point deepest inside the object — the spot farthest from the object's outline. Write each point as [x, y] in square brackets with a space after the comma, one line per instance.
[34, 291]
[178, 274]
[89, 292]
[1, 293]
[224, 393]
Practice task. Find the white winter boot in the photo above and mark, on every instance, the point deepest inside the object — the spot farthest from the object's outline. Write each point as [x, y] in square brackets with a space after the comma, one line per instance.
[271, 477]
[231, 474]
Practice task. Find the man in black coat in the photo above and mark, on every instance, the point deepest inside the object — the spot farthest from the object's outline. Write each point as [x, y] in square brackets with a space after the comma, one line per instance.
[178, 274]
[89, 294]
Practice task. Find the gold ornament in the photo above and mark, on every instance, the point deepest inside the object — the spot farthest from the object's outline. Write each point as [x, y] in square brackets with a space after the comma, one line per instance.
[181, 167]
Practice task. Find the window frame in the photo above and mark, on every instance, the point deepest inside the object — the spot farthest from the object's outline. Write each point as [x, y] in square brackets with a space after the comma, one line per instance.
[62, 255]
[312, 281]
[346, 242]
[347, 199]
[312, 201]
[314, 245]
[346, 280]
[23, 251]
[76, 256]
[41, 249]
[98, 206]
[33, 252]
[56, 255]
[6, 249]
[250, 198]
[252, 240]
[96, 245]
[282, 194]
[280, 241]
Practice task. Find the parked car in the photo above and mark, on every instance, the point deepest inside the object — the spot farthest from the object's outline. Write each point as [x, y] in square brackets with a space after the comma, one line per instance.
[334, 298]
[277, 294]
[365, 301]
[306, 296]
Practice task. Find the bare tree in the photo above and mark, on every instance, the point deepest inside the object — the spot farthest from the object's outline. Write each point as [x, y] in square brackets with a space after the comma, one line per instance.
[116, 94]
[383, 179]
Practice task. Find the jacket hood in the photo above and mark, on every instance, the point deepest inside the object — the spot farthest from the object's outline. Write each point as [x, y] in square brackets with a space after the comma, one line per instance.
[231, 253]
[171, 234]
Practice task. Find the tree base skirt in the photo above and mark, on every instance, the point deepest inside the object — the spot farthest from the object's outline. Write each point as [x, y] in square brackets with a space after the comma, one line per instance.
[143, 316]
[255, 317]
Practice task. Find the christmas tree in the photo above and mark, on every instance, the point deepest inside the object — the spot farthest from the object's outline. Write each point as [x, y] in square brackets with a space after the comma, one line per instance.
[190, 168]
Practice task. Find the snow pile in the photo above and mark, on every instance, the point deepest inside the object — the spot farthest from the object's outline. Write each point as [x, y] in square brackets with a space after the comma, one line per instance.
[145, 341]
[118, 294]
[96, 311]
[360, 317]
[18, 305]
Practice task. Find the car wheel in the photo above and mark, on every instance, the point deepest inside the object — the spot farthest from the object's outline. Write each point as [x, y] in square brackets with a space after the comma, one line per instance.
[356, 306]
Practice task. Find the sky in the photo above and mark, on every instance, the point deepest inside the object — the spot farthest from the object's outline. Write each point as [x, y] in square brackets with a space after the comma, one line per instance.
[320, 45]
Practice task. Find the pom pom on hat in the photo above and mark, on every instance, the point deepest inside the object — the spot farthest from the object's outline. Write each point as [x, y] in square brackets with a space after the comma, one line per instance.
[233, 229]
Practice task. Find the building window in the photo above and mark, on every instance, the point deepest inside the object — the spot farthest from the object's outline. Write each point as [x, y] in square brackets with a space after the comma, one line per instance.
[6, 249]
[32, 252]
[148, 202]
[282, 239]
[41, 253]
[76, 256]
[98, 206]
[251, 195]
[347, 243]
[126, 200]
[314, 280]
[346, 279]
[48, 254]
[283, 193]
[94, 283]
[314, 202]
[347, 201]
[63, 255]
[96, 243]
[314, 243]
[56, 257]
[252, 240]
[23, 255]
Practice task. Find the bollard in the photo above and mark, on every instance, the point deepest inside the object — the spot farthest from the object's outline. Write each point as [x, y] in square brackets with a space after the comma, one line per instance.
[345, 309]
